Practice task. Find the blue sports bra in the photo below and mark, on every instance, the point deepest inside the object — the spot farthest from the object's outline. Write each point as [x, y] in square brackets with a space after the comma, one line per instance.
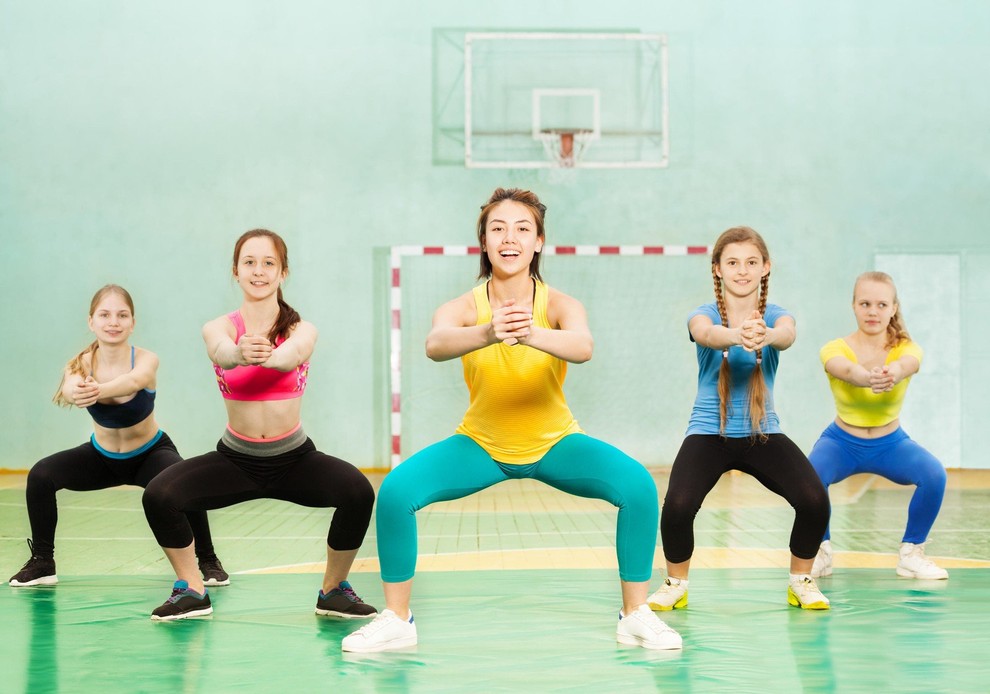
[126, 414]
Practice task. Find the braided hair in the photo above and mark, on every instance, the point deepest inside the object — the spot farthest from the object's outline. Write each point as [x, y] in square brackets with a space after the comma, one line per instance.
[757, 383]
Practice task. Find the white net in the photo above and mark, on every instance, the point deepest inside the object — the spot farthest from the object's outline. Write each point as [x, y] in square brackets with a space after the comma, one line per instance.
[636, 392]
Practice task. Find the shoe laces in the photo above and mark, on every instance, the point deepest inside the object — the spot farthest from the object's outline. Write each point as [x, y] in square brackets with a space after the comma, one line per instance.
[654, 623]
[34, 557]
[348, 592]
[669, 587]
[807, 585]
[917, 554]
[384, 618]
[210, 564]
[179, 593]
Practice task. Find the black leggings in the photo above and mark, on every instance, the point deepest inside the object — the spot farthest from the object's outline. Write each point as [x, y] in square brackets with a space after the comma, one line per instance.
[777, 463]
[84, 469]
[225, 477]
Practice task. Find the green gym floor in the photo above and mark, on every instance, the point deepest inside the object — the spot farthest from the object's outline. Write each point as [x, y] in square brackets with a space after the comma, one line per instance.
[516, 591]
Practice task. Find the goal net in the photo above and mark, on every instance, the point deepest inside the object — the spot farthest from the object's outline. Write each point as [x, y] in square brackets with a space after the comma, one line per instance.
[637, 391]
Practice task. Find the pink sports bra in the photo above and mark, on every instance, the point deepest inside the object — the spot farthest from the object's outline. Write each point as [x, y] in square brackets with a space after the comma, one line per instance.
[258, 382]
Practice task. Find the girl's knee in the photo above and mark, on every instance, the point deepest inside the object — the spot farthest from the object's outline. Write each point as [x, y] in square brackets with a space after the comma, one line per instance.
[156, 496]
[39, 477]
[934, 476]
[362, 494]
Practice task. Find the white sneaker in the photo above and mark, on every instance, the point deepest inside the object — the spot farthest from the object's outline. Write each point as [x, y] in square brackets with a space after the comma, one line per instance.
[914, 564]
[802, 591]
[672, 594]
[823, 561]
[643, 628]
[387, 632]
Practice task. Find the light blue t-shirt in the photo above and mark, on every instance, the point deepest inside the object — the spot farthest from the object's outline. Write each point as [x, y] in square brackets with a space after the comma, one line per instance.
[704, 416]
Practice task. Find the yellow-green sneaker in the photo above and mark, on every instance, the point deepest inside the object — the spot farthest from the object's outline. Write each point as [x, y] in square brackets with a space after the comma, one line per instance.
[802, 591]
[671, 595]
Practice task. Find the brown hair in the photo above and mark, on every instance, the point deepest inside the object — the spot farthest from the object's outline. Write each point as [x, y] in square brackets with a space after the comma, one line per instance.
[524, 197]
[896, 332]
[757, 383]
[77, 365]
[287, 316]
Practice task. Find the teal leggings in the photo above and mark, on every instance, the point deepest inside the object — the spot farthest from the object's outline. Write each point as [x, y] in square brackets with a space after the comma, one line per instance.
[457, 467]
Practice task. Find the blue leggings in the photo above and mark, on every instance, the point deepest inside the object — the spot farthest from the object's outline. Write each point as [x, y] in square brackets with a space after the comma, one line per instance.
[839, 454]
[457, 467]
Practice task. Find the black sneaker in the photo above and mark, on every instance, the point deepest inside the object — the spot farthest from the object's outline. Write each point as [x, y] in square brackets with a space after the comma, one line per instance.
[183, 603]
[213, 573]
[39, 571]
[342, 601]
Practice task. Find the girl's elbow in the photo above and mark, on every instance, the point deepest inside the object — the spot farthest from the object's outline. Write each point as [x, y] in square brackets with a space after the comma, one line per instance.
[433, 351]
[586, 352]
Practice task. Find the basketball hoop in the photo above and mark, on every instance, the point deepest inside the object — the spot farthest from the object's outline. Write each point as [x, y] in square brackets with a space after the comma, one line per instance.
[565, 147]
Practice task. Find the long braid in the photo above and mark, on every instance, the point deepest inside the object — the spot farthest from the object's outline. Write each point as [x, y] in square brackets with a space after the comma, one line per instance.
[757, 382]
[723, 369]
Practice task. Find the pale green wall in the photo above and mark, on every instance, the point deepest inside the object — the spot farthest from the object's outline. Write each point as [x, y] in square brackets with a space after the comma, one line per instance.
[138, 139]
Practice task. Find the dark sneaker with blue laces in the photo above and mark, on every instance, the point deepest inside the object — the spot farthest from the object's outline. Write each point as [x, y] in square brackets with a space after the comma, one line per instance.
[38, 571]
[343, 602]
[213, 573]
[183, 603]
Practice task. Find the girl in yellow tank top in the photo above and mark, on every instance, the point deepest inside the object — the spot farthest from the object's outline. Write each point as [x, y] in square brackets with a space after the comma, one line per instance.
[515, 336]
[868, 372]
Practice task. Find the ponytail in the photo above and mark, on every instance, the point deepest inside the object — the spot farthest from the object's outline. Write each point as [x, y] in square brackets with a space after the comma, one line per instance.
[76, 366]
[287, 319]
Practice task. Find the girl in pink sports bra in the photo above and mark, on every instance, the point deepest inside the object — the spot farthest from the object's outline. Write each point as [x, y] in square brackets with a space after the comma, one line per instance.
[260, 354]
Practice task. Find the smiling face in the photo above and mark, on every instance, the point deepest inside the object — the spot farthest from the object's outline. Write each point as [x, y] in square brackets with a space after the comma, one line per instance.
[112, 319]
[511, 237]
[259, 269]
[874, 304]
[741, 266]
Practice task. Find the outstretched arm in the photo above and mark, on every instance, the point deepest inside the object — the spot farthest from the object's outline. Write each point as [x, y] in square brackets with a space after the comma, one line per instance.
[454, 332]
[296, 349]
[570, 339]
[140, 377]
[878, 379]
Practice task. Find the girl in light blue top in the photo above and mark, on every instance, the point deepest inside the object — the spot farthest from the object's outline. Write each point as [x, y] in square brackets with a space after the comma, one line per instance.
[733, 425]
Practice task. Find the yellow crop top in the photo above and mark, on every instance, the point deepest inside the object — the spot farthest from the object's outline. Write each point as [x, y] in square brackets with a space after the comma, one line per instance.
[861, 407]
[517, 410]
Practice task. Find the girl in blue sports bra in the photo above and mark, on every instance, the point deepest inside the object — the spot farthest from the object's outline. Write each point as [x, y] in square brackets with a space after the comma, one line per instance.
[115, 382]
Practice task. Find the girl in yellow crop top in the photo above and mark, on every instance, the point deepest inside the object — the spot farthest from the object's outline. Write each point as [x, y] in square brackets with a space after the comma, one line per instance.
[515, 336]
[868, 372]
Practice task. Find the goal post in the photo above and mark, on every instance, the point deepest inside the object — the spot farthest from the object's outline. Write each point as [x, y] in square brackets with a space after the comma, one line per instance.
[635, 295]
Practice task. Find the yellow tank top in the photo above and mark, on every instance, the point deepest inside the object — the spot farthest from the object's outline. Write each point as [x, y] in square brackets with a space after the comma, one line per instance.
[517, 410]
[861, 407]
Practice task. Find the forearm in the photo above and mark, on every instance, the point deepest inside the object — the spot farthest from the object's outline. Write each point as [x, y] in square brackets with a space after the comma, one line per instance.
[572, 346]
[854, 374]
[780, 338]
[719, 337]
[123, 385]
[447, 343]
[285, 358]
[227, 355]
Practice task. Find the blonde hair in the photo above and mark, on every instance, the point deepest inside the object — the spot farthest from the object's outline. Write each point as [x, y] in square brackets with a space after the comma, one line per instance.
[77, 365]
[757, 383]
[896, 332]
